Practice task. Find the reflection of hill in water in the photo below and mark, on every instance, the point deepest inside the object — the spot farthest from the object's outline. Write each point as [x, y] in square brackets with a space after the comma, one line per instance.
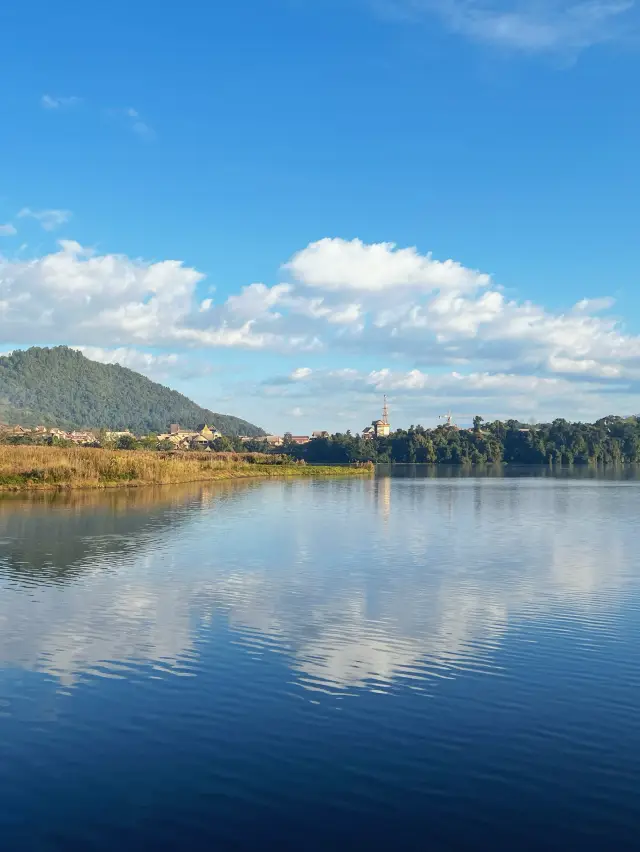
[52, 537]
[94, 582]
[356, 583]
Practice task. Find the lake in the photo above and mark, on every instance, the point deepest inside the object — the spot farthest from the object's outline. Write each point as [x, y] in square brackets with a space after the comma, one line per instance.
[430, 660]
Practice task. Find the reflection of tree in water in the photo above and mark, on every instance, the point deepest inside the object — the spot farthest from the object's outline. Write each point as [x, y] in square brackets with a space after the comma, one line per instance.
[54, 537]
[122, 557]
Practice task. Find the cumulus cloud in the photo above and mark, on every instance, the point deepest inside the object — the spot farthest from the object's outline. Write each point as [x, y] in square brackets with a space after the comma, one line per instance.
[439, 312]
[76, 295]
[300, 373]
[7, 230]
[166, 367]
[336, 264]
[49, 219]
[544, 26]
[447, 329]
[134, 359]
[256, 300]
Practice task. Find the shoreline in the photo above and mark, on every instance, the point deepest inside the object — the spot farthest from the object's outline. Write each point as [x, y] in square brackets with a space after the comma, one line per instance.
[25, 468]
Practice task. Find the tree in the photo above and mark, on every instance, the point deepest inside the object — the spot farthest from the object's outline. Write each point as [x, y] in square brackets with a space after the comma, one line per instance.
[126, 442]
[222, 445]
[287, 442]
[610, 441]
[149, 442]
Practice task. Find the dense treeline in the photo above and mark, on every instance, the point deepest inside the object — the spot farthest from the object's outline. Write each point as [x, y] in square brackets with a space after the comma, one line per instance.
[609, 441]
[60, 387]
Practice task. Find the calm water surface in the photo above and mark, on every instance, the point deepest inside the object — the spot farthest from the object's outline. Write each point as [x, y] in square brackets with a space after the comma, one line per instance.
[399, 663]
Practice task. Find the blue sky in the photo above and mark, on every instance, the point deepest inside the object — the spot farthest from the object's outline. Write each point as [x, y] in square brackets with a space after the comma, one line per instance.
[255, 202]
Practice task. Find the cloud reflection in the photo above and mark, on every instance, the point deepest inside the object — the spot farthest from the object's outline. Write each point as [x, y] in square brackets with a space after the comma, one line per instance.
[363, 584]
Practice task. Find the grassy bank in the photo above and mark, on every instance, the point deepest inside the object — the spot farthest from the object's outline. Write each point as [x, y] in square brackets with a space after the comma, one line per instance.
[24, 467]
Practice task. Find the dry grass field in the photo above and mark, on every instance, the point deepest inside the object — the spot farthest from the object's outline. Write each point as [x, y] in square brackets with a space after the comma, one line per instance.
[26, 467]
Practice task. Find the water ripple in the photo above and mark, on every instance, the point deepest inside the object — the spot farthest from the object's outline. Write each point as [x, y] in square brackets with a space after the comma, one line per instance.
[407, 658]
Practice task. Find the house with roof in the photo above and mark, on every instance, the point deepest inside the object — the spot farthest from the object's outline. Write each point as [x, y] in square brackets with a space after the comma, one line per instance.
[82, 438]
[208, 432]
[61, 434]
[186, 439]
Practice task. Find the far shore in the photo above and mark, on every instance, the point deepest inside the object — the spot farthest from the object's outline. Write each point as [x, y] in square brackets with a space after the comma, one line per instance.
[29, 468]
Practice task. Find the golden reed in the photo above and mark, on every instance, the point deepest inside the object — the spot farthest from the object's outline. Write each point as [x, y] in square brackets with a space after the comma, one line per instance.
[27, 467]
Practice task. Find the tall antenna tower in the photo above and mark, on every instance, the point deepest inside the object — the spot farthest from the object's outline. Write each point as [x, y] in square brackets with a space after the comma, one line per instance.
[385, 412]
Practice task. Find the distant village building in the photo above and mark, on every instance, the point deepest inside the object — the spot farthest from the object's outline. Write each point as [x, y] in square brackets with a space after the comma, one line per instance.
[319, 434]
[81, 438]
[207, 432]
[58, 433]
[186, 439]
[300, 439]
[274, 440]
[379, 428]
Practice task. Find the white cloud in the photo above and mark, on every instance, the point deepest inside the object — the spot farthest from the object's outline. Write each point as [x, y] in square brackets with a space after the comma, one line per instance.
[50, 102]
[320, 308]
[164, 367]
[300, 373]
[418, 396]
[414, 307]
[315, 382]
[593, 306]
[336, 265]
[134, 359]
[531, 26]
[584, 366]
[7, 230]
[75, 294]
[256, 301]
[49, 219]
[446, 330]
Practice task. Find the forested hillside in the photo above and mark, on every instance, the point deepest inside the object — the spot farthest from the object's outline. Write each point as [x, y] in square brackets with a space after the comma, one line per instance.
[60, 387]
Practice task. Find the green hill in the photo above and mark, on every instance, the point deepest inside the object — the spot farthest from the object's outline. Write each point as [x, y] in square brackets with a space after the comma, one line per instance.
[60, 387]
